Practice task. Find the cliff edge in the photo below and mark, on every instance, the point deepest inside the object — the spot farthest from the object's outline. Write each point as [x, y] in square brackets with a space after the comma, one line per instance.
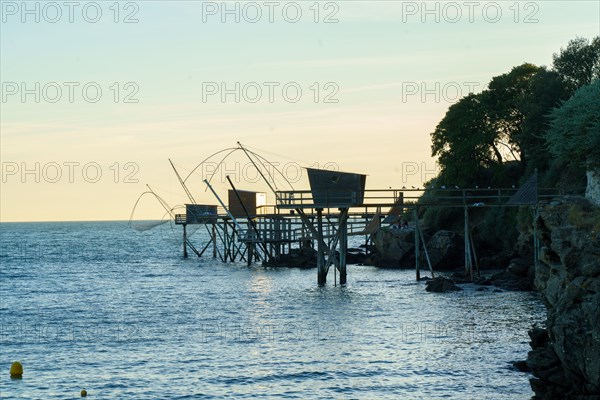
[566, 356]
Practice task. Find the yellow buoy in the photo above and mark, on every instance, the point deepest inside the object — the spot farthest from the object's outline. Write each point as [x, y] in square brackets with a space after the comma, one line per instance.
[16, 370]
[83, 393]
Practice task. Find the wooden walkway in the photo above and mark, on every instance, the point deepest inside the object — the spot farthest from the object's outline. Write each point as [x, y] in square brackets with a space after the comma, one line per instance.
[295, 220]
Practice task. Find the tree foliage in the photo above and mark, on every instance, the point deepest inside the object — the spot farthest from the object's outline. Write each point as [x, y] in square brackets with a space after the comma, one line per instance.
[485, 134]
[525, 120]
[485, 130]
[463, 141]
[574, 134]
[505, 100]
[547, 92]
[579, 63]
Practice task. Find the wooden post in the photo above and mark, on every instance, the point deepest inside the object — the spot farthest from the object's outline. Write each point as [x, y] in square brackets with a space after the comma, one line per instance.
[343, 244]
[218, 235]
[232, 240]
[250, 222]
[468, 268]
[185, 254]
[536, 239]
[321, 268]
[277, 238]
[474, 254]
[367, 235]
[214, 240]
[225, 240]
[424, 248]
[250, 253]
[417, 268]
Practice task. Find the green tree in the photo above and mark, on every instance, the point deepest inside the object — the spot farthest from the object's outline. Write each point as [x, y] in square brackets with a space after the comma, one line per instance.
[505, 100]
[464, 142]
[547, 91]
[579, 63]
[484, 131]
[574, 134]
[486, 137]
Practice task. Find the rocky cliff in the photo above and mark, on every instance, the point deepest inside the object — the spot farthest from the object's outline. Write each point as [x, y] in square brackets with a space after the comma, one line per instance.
[395, 248]
[566, 356]
[592, 192]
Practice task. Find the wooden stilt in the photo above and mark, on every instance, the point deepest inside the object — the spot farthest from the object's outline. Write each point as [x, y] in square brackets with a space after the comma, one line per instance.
[474, 253]
[418, 228]
[321, 268]
[191, 246]
[468, 267]
[367, 236]
[250, 253]
[222, 238]
[214, 240]
[251, 223]
[343, 232]
[417, 245]
[235, 238]
[185, 254]
[277, 238]
[536, 239]
[225, 240]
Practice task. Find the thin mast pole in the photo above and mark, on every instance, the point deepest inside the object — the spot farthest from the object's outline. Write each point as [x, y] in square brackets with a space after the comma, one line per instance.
[259, 171]
[250, 221]
[189, 194]
[238, 226]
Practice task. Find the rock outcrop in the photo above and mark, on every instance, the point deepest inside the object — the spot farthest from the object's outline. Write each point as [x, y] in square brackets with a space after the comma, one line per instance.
[446, 250]
[394, 248]
[355, 256]
[441, 284]
[592, 191]
[566, 358]
[304, 257]
[518, 276]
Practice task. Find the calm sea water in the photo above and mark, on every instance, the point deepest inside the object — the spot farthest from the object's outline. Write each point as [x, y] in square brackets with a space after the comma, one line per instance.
[119, 312]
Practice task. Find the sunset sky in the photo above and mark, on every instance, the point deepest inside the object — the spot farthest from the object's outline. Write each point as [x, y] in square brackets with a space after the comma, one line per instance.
[161, 67]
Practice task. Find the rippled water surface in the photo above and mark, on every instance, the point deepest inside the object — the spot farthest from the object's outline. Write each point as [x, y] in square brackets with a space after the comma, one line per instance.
[119, 312]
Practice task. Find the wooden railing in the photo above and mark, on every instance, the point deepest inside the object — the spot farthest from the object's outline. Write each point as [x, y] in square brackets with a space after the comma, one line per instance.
[442, 197]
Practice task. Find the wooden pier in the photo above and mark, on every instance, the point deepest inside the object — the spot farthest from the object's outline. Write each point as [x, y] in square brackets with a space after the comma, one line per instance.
[336, 206]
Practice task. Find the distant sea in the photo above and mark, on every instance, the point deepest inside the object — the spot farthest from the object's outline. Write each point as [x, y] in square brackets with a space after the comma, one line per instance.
[120, 313]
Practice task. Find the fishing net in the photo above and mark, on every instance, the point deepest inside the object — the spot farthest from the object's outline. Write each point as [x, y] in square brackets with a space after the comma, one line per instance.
[142, 226]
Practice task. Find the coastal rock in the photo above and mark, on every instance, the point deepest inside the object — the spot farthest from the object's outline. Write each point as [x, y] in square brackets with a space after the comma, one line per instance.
[484, 281]
[521, 366]
[446, 250]
[460, 277]
[518, 276]
[523, 248]
[441, 284]
[592, 191]
[394, 248]
[304, 257]
[567, 364]
[539, 337]
[519, 266]
[355, 257]
[496, 261]
[508, 281]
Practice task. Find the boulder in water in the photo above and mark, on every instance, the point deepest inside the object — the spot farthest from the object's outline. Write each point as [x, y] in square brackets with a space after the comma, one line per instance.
[394, 248]
[441, 284]
[304, 257]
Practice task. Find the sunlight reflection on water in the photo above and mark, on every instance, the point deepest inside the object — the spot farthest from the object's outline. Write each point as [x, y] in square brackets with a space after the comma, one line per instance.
[125, 316]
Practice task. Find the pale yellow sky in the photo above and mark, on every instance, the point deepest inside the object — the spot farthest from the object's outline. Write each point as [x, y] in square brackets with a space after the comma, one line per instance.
[388, 76]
